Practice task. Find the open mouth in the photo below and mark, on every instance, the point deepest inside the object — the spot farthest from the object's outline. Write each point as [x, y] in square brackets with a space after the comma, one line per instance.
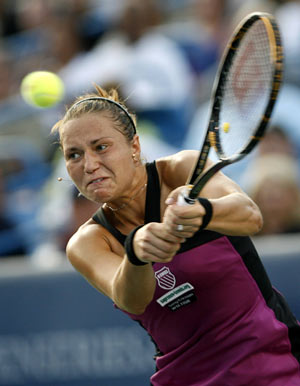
[96, 181]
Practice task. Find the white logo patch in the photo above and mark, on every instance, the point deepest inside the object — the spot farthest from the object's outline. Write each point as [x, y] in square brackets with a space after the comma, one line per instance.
[165, 279]
[174, 294]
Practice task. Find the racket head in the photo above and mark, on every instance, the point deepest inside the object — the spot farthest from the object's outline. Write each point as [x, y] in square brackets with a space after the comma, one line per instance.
[244, 94]
[246, 87]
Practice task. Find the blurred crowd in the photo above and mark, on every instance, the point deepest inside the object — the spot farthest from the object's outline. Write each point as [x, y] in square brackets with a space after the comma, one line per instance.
[162, 57]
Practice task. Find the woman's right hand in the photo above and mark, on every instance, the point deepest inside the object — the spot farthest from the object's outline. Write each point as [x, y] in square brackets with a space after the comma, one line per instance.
[154, 243]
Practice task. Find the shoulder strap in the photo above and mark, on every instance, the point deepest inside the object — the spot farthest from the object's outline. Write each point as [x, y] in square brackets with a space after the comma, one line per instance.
[152, 208]
[100, 218]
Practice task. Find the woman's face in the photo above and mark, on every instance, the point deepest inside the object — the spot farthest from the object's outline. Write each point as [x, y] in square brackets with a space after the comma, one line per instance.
[98, 157]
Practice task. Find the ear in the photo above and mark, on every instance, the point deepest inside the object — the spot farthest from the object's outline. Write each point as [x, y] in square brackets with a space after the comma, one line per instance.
[136, 147]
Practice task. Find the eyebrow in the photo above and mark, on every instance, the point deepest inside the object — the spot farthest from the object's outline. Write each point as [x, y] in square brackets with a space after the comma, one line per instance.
[70, 149]
[92, 142]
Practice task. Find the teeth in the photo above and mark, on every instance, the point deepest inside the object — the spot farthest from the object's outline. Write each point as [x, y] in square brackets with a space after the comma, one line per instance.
[98, 180]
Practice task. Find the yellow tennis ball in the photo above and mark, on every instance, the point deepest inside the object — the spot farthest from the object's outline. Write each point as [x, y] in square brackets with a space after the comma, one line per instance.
[42, 89]
[226, 127]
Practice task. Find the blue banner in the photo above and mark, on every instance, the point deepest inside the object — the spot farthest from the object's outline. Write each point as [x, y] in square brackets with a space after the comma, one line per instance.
[55, 329]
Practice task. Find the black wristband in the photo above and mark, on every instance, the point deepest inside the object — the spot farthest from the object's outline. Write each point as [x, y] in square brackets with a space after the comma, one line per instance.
[208, 212]
[128, 245]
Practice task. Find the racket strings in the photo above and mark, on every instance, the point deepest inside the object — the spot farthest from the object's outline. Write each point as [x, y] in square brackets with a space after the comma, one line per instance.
[246, 91]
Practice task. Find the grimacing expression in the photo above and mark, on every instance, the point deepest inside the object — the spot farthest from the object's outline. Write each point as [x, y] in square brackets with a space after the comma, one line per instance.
[98, 156]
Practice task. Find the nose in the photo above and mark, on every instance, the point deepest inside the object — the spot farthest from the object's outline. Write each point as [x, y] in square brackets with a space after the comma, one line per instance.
[91, 162]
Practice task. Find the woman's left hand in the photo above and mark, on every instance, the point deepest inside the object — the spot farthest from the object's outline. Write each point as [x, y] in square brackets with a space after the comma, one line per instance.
[182, 220]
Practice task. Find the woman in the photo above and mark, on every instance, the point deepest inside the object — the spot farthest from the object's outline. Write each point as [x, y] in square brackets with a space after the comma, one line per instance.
[188, 274]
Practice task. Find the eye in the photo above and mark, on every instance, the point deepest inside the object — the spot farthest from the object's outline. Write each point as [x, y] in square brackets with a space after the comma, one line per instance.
[101, 147]
[72, 156]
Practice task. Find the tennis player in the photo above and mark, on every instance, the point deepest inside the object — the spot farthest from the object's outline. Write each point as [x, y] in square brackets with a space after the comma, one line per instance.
[189, 275]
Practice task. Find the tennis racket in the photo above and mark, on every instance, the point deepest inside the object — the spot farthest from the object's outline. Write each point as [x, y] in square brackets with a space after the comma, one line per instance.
[244, 93]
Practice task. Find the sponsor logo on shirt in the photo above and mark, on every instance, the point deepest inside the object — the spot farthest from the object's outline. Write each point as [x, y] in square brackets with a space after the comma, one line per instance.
[165, 278]
[174, 294]
[176, 297]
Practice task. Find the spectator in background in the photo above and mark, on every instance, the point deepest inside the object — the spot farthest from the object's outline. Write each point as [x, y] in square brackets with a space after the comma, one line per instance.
[12, 242]
[288, 16]
[7, 83]
[44, 35]
[277, 141]
[275, 189]
[148, 68]
[23, 172]
[272, 180]
[200, 28]
[64, 39]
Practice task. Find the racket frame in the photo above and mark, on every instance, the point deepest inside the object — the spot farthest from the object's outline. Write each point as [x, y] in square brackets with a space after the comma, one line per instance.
[197, 180]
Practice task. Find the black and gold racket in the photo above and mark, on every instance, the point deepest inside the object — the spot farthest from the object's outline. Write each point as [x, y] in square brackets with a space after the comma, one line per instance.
[244, 93]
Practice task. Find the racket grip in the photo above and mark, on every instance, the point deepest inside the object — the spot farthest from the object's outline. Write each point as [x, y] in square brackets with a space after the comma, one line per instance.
[183, 197]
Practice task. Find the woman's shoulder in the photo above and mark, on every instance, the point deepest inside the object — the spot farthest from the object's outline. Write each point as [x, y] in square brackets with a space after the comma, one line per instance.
[175, 169]
[82, 241]
[178, 156]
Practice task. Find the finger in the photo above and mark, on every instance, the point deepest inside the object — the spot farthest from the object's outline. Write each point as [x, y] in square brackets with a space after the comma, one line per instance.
[184, 226]
[158, 234]
[185, 231]
[166, 234]
[161, 251]
[188, 219]
[172, 197]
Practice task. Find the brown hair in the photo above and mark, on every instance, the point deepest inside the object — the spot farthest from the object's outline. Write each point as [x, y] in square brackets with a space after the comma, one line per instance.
[99, 101]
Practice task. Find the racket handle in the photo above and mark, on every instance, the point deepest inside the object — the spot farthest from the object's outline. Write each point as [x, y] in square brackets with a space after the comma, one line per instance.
[183, 197]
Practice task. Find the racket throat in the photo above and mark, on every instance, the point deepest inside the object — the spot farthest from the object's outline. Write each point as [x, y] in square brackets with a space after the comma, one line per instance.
[184, 199]
[188, 200]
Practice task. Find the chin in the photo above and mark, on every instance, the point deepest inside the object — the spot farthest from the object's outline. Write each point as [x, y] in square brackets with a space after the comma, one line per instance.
[97, 199]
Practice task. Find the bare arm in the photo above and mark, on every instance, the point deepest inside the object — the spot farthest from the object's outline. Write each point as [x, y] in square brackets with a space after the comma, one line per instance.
[130, 287]
[234, 213]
